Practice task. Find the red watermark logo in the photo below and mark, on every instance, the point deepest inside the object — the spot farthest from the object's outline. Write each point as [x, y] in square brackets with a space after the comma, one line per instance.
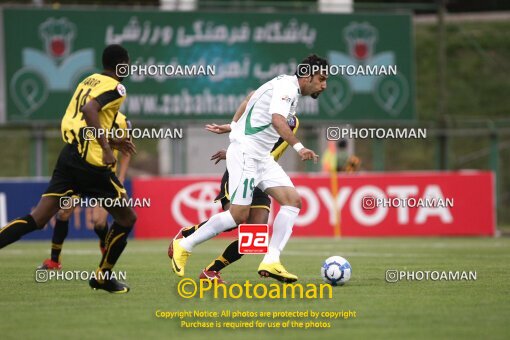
[253, 238]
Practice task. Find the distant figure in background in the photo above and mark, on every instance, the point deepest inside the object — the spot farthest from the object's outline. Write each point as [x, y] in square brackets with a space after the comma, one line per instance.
[336, 155]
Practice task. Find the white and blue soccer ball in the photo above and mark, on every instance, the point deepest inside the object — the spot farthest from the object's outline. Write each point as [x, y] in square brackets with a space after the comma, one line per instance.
[336, 271]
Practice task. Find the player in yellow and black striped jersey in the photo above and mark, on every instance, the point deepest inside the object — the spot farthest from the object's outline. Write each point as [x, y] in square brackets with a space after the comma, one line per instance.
[109, 93]
[259, 210]
[86, 163]
[99, 215]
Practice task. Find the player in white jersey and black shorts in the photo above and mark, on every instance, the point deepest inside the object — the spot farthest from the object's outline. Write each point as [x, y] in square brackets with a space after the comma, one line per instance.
[249, 163]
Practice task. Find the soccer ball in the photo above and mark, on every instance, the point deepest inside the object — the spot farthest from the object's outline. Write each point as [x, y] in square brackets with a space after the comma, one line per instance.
[336, 271]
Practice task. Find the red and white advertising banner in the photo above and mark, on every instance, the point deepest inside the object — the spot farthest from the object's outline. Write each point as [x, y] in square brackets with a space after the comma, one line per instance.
[379, 204]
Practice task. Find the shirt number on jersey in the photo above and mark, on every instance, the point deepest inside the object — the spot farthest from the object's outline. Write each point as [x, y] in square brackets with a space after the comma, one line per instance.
[80, 101]
[248, 182]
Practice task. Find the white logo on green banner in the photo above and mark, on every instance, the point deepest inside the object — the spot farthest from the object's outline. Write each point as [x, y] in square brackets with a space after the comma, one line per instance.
[53, 69]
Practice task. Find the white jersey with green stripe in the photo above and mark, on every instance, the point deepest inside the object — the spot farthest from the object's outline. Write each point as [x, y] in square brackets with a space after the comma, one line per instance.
[254, 131]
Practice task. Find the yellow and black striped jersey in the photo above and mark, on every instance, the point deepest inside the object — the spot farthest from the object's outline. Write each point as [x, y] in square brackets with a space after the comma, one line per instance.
[281, 145]
[110, 94]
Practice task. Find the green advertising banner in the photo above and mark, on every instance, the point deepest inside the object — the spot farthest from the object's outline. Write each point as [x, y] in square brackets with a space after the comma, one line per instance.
[206, 63]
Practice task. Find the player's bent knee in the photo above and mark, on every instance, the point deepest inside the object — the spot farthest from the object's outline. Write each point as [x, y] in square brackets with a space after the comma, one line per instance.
[295, 201]
[44, 211]
[41, 218]
[298, 203]
[128, 219]
[240, 218]
[40, 221]
[64, 214]
[132, 218]
[100, 224]
[258, 216]
[240, 215]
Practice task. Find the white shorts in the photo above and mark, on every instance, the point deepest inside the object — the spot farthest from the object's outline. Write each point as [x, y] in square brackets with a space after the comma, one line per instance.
[246, 173]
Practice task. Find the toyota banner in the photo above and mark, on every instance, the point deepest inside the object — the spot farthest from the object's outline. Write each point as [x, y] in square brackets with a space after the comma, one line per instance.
[380, 204]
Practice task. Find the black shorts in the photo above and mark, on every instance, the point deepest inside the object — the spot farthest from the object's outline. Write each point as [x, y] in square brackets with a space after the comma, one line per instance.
[74, 176]
[260, 198]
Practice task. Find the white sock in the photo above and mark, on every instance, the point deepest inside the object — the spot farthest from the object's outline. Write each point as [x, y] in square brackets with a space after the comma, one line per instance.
[282, 228]
[215, 225]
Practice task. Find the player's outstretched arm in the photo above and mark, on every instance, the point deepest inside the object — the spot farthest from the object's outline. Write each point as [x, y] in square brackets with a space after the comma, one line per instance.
[218, 156]
[124, 145]
[91, 114]
[307, 154]
[280, 124]
[123, 166]
[242, 107]
[219, 129]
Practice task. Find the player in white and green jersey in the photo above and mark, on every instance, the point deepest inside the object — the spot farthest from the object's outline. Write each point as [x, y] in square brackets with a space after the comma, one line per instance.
[249, 163]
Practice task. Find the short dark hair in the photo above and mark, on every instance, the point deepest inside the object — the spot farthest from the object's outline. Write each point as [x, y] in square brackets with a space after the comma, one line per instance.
[312, 60]
[114, 55]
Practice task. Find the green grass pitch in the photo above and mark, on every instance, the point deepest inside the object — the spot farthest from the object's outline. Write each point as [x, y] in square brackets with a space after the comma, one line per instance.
[408, 309]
